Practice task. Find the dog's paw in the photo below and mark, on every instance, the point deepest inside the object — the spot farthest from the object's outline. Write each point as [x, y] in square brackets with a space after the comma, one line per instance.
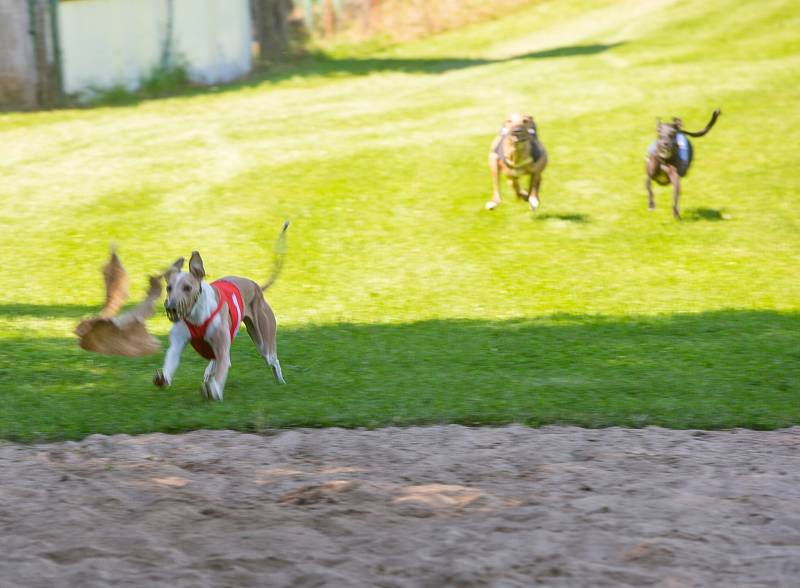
[210, 390]
[159, 379]
[533, 201]
[491, 205]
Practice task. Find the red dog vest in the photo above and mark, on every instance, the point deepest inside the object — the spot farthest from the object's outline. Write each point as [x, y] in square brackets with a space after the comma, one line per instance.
[228, 294]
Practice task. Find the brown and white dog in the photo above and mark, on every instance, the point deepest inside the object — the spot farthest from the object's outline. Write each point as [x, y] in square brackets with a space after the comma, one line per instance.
[517, 151]
[669, 157]
[208, 316]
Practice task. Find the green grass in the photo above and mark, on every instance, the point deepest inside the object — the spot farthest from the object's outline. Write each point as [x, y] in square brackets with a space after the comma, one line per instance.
[402, 301]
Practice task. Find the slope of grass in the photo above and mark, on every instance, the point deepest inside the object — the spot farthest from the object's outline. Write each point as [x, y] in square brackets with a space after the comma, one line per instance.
[402, 300]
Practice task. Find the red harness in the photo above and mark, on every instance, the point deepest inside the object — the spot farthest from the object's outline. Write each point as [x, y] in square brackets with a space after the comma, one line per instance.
[229, 294]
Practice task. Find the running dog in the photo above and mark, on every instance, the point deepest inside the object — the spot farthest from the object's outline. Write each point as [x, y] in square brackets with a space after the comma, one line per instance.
[517, 151]
[669, 157]
[209, 315]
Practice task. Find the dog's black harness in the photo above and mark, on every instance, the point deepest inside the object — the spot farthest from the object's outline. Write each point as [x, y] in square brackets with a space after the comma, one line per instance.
[682, 154]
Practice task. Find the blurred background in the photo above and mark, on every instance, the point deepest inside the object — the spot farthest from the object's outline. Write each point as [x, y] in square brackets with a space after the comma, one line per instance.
[55, 52]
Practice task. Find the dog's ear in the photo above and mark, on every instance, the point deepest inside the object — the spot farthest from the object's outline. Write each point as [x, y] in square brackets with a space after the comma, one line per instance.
[173, 269]
[196, 266]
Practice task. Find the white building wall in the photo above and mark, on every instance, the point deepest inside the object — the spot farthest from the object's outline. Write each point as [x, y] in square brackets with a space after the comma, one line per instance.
[105, 43]
[215, 37]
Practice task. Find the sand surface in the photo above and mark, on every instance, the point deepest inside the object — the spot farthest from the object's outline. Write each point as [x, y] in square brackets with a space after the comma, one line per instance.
[430, 506]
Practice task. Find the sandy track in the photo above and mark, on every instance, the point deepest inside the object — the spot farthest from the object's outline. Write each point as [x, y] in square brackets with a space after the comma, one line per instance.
[432, 506]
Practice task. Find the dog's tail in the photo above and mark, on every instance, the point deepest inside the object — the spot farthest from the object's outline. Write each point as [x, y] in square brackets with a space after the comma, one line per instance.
[710, 124]
[280, 256]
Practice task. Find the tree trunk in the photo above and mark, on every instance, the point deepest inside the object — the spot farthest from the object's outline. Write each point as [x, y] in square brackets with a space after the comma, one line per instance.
[328, 18]
[271, 28]
[17, 62]
[372, 16]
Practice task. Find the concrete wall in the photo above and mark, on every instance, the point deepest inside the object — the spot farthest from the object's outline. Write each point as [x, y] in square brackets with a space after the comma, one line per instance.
[105, 43]
[17, 60]
[215, 36]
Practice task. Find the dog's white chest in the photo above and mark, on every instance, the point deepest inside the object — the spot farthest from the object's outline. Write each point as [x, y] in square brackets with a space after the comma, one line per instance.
[516, 172]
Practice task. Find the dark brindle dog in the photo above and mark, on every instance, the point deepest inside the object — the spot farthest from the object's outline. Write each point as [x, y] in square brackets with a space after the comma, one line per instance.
[669, 158]
[517, 152]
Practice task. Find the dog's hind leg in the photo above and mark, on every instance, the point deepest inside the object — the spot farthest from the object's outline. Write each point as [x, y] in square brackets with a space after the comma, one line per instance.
[651, 202]
[273, 362]
[262, 329]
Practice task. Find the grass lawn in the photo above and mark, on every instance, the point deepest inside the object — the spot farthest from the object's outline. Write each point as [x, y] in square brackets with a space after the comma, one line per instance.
[403, 301]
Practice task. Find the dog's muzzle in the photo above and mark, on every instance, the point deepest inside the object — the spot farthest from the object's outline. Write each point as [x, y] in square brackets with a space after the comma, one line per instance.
[181, 309]
[519, 134]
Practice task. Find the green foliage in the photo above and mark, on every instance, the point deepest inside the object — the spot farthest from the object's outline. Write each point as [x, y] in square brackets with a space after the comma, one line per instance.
[402, 300]
[161, 82]
[164, 81]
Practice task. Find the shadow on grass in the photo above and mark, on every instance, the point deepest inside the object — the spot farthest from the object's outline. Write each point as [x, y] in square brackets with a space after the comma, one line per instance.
[707, 370]
[575, 217]
[45, 311]
[705, 214]
[323, 65]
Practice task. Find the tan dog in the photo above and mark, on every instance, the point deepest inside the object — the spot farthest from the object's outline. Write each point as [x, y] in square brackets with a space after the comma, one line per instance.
[517, 152]
[120, 334]
[208, 316]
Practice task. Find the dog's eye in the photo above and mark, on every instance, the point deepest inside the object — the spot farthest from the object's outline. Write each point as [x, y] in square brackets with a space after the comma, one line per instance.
[187, 288]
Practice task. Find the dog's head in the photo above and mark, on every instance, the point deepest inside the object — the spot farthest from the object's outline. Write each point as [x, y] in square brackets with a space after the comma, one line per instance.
[183, 288]
[666, 143]
[518, 127]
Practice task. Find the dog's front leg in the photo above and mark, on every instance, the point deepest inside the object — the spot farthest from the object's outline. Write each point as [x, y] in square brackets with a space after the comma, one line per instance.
[533, 190]
[517, 190]
[651, 168]
[178, 336]
[209, 370]
[675, 179]
[494, 166]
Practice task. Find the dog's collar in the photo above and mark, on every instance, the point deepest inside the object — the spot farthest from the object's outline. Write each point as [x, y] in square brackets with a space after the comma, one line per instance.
[204, 325]
[194, 302]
